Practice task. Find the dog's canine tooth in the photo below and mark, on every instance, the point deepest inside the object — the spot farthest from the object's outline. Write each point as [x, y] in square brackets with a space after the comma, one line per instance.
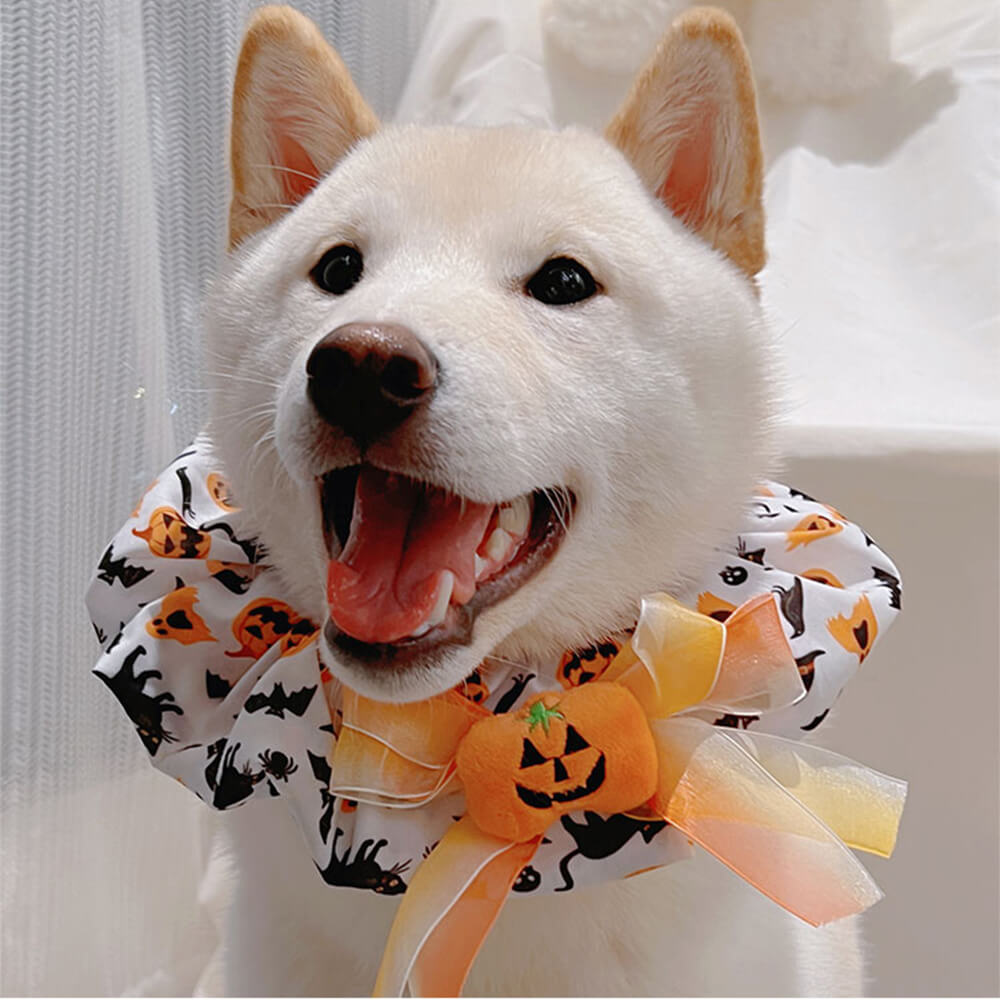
[440, 609]
[515, 517]
[480, 565]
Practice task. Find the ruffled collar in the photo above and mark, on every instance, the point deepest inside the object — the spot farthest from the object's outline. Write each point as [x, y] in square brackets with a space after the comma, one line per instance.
[222, 678]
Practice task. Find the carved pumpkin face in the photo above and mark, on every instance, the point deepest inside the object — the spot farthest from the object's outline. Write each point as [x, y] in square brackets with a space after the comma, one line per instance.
[266, 621]
[220, 491]
[581, 666]
[169, 536]
[588, 748]
[810, 528]
[856, 634]
[178, 620]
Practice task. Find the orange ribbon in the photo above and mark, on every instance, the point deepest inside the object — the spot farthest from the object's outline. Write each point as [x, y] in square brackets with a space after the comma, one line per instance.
[779, 813]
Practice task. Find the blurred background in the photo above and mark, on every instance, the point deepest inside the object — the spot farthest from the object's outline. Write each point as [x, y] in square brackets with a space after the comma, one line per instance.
[880, 126]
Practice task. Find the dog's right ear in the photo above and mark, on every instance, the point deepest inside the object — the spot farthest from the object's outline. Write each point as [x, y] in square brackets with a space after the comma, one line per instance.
[296, 112]
[689, 129]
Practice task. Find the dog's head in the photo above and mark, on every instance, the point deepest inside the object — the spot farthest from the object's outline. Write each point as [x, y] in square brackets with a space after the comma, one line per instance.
[482, 388]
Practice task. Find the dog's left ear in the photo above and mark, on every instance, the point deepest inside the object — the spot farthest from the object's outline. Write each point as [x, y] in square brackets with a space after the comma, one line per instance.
[689, 128]
[296, 112]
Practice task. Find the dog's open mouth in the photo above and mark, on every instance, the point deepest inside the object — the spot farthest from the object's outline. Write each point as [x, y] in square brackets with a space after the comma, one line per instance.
[417, 563]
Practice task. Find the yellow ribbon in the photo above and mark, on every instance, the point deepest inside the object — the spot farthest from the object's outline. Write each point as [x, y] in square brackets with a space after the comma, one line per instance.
[780, 814]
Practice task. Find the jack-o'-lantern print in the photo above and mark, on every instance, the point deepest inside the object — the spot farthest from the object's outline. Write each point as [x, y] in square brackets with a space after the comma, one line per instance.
[715, 607]
[858, 632]
[221, 492]
[811, 528]
[587, 748]
[823, 576]
[170, 536]
[178, 620]
[474, 688]
[581, 666]
[267, 621]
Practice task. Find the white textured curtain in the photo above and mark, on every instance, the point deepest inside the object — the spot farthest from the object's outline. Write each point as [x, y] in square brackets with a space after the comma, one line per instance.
[113, 117]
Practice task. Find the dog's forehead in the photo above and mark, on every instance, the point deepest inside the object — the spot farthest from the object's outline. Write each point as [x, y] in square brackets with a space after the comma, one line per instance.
[464, 178]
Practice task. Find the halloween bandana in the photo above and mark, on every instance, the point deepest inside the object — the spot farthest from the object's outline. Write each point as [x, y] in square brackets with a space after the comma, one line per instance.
[222, 678]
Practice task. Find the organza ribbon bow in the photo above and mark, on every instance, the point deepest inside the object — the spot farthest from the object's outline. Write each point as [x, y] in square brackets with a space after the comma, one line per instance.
[779, 813]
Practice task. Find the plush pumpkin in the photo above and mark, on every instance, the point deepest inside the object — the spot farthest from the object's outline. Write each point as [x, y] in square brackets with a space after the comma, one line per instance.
[587, 748]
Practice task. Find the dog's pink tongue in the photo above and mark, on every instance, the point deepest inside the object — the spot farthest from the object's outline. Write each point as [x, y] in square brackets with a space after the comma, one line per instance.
[403, 537]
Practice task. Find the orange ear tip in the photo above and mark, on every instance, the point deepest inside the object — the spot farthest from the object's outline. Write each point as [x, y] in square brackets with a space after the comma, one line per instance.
[279, 21]
[709, 22]
[588, 748]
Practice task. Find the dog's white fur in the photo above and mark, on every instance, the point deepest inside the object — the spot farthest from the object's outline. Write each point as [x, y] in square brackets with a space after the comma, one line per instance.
[653, 401]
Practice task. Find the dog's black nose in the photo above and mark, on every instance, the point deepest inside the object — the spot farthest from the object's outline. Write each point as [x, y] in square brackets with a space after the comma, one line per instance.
[367, 378]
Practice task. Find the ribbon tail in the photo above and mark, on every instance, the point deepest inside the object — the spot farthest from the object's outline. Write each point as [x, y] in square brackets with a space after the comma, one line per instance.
[452, 901]
[718, 794]
[862, 806]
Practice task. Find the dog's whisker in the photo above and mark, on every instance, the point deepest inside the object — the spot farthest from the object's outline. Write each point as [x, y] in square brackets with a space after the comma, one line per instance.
[239, 377]
[559, 503]
[510, 663]
[267, 204]
[260, 451]
[261, 412]
[287, 170]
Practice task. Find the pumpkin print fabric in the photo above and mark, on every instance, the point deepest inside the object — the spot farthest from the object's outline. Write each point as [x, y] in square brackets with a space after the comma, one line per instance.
[222, 679]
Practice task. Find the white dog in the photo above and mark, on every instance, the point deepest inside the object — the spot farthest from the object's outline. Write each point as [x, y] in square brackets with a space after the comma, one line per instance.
[543, 348]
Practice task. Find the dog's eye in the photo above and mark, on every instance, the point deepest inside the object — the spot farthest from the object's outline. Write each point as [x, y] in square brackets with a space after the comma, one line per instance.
[338, 270]
[560, 281]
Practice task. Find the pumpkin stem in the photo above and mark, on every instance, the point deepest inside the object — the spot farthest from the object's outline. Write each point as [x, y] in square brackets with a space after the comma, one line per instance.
[538, 714]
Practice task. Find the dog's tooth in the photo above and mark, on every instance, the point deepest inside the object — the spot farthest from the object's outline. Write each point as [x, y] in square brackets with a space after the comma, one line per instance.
[445, 588]
[498, 545]
[437, 614]
[515, 518]
[480, 565]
